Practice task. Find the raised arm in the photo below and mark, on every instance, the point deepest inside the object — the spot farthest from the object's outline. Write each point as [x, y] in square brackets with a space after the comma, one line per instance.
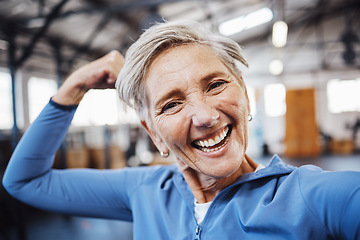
[99, 74]
[29, 176]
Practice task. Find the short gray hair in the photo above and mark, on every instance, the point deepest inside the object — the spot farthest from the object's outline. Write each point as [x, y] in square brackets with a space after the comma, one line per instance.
[161, 36]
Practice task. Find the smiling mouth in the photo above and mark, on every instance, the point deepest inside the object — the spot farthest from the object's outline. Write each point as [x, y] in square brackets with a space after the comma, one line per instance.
[214, 143]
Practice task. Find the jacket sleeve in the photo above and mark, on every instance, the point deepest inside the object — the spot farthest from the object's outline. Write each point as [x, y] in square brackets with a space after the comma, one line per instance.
[30, 178]
[333, 198]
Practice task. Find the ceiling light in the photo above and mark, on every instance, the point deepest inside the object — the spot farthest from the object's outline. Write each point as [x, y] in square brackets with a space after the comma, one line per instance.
[245, 22]
[279, 34]
[276, 67]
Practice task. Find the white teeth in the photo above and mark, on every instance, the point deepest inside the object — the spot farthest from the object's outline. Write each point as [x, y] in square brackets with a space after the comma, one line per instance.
[210, 150]
[212, 141]
[222, 135]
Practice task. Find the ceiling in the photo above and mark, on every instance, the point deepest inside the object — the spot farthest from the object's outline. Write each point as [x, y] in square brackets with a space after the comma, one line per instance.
[57, 35]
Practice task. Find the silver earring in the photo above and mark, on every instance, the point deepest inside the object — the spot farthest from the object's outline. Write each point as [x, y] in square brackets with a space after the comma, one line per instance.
[164, 154]
[250, 117]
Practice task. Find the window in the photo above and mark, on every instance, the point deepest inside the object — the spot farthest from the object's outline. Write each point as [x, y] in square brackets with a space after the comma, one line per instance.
[274, 97]
[100, 107]
[6, 119]
[40, 91]
[343, 95]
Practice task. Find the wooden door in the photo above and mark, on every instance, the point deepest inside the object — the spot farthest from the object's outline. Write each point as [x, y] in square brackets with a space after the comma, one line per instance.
[302, 135]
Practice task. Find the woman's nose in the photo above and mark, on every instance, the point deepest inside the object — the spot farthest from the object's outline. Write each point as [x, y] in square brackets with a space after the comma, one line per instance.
[204, 115]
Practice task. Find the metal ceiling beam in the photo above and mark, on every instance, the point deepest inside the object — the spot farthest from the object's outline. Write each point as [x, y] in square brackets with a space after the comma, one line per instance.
[310, 16]
[49, 19]
[121, 16]
[100, 26]
[121, 7]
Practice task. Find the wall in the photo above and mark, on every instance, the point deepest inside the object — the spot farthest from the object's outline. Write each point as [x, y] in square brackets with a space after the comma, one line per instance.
[312, 57]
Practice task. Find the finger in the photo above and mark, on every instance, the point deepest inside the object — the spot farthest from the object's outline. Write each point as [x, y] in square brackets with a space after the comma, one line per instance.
[115, 62]
[107, 69]
[104, 83]
[111, 81]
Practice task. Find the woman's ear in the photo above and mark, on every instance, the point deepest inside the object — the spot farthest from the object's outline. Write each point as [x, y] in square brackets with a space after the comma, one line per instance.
[246, 94]
[157, 140]
[248, 100]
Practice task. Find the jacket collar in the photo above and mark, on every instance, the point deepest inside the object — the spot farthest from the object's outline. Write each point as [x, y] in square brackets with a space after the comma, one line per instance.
[276, 167]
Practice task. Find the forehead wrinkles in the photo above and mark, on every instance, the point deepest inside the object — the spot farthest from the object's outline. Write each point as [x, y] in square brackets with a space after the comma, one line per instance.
[167, 67]
[176, 64]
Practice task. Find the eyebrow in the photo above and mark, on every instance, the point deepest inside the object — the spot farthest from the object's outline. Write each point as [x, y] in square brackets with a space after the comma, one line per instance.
[177, 91]
[214, 75]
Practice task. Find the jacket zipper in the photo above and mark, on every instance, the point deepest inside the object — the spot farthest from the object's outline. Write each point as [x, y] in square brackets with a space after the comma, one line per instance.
[197, 232]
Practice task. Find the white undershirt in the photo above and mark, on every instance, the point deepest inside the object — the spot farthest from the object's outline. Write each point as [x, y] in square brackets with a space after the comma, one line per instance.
[201, 209]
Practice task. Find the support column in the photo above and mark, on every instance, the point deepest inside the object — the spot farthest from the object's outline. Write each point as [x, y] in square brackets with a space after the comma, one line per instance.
[12, 70]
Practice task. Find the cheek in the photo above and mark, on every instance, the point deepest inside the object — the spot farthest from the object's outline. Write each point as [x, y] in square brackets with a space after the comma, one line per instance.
[173, 130]
[235, 107]
[242, 115]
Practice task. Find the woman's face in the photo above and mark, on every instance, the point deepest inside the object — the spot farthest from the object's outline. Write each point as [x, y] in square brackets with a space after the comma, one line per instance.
[198, 110]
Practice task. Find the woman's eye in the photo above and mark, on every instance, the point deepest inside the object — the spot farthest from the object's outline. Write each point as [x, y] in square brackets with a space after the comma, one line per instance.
[169, 106]
[215, 85]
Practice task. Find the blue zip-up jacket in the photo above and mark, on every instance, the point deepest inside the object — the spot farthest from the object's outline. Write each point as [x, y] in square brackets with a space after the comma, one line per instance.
[277, 202]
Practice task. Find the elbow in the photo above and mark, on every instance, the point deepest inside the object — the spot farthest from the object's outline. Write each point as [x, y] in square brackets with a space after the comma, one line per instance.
[9, 185]
[6, 184]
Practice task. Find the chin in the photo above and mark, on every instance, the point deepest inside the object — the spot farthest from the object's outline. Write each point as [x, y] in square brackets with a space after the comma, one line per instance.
[219, 172]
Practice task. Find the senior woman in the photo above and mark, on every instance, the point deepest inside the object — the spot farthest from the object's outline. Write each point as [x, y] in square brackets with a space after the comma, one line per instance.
[186, 85]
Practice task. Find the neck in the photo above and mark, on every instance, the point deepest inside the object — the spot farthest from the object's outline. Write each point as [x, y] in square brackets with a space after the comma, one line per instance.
[205, 188]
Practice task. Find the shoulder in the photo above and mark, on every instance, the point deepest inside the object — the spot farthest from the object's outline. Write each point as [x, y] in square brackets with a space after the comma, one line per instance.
[312, 178]
[314, 185]
[318, 185]
[333, 197]
[136, 179]
[146, 172]
[149, 175]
